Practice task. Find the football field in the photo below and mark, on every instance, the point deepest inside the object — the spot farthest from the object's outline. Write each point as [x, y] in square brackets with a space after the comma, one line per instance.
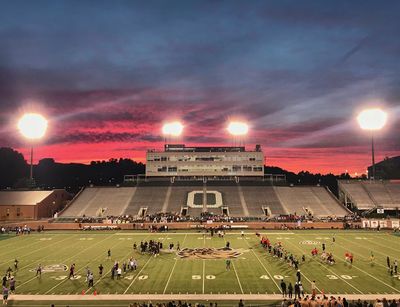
[253, 269]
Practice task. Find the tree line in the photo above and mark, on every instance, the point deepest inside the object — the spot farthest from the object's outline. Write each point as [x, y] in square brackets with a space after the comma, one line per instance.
[49, 174]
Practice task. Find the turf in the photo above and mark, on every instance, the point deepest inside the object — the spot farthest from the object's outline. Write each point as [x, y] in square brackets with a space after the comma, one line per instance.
[254, 271]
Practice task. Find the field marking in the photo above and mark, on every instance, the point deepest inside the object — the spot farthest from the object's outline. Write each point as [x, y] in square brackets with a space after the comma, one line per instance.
[118, 242]
[197, 233]
[101, 278]
[204, 274]
[365, 272]
[305, 276]
[170, 275]
[337, 275]
[30, 263]
[130, 285]
[138, 274]
[376, 243]
[266, 270]
[35, 277]
[6, 246]
[103, 275]
[362, 257]
[36, 250]
[377, 279]
[237, 277]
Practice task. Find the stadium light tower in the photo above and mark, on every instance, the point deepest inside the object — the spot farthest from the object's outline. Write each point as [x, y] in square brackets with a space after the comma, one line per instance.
[238, 129]
[372, 120]
[172, 129]
[32, 126]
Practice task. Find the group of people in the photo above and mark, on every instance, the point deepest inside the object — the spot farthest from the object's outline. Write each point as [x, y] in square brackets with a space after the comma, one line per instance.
[153, 247]
[324, 301]
[277, 250]
[392, 267]
[117, 270]
[8, 282]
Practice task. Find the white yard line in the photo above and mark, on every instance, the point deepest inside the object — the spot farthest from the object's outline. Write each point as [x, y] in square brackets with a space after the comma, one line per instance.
[172, 271]
[204, 274]
[204, 264]
[365, 272]
[83, 267]
[337, 275]
[34, 251]
[237, 277]
[197, 233]
[266, 270]
[138, 274]
[35, 277]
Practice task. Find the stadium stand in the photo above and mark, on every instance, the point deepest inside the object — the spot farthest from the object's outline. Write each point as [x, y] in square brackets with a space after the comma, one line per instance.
[314, 201]
[148, 199]
[371, 194]
[356, 192]
[259, 201]
[100, 202]
[259, 197]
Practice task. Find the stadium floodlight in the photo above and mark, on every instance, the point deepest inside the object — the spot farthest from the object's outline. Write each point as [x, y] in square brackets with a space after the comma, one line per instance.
[238, 128]
[372, 120]
[172, 129]
[32, 126]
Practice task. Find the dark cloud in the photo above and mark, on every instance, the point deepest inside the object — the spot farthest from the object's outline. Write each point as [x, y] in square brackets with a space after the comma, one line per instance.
[113, 72]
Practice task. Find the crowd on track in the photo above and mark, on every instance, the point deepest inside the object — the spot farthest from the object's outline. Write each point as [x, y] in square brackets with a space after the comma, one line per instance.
[324, 301]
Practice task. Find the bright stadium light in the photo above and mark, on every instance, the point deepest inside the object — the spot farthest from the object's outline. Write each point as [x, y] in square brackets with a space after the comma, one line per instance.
[372, 120]
[32, 126]
[172, 129]
[238, 128]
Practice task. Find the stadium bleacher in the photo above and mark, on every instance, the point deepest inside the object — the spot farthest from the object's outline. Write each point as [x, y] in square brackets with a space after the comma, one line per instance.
[367, 195]
[237, 200]
[98, 201]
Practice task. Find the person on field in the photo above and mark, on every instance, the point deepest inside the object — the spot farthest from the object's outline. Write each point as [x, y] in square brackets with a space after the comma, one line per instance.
[298, 274]
[16, 264]
[228, 264]
[39, 270]
[290, 290]
[101, 270]
[72, 271]
[395, 267]
[388, 262]
[5, 295]
[109, 254]
[90, 280]
[313, 288]
[283, 287]
[12, 285]
[296, 290]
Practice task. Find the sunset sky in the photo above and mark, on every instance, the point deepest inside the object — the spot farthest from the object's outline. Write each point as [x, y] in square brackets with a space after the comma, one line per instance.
[108, 74]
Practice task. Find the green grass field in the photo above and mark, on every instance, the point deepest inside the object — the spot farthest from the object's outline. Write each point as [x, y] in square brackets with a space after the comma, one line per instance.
[253, 272]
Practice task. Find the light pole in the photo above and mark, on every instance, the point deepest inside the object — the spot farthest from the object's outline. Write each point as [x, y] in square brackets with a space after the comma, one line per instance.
[372, 120]
[32, 126]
